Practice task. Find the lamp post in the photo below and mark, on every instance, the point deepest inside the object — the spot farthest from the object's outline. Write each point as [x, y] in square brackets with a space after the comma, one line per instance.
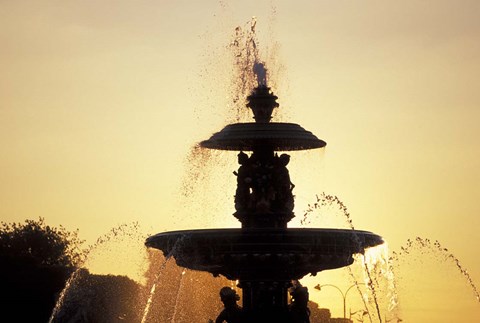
[344, 295]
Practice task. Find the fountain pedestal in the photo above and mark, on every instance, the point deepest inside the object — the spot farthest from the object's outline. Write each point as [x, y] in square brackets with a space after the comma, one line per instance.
[265, 301]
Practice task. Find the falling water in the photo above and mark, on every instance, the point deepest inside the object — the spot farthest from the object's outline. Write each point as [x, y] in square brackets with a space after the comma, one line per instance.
[205, 194]
[146, 311]
[326, 201]
[177, 298]
[149, 300]
[357, 285]
[372, 287]
[178, 294]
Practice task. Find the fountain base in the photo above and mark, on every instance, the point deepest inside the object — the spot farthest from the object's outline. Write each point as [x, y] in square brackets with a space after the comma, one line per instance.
[264, 260]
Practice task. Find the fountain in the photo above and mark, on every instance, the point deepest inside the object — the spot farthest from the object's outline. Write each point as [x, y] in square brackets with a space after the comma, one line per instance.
[264, 255]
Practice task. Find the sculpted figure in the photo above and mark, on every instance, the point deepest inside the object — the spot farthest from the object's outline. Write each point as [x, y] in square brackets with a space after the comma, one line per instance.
[232, 313]
[244, 183]
[299, 311]
[283, 185]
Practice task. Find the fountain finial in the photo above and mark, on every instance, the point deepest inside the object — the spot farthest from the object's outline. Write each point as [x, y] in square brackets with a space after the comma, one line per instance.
[262, 102]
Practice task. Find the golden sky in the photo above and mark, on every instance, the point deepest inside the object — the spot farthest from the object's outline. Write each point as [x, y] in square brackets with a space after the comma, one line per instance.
[101, 101]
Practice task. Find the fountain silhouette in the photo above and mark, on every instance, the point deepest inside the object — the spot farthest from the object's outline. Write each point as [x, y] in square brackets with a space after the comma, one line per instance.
[264, 255]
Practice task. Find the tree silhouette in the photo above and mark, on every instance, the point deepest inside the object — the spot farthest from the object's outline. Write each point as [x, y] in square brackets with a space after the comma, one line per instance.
[36, 260]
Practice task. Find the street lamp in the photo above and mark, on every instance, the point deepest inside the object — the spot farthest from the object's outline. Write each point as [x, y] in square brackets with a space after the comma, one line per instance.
[362, 313]
[344, 295]
[394, 318]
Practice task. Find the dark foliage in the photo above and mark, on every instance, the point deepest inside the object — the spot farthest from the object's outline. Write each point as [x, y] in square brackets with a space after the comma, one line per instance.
[36, 260]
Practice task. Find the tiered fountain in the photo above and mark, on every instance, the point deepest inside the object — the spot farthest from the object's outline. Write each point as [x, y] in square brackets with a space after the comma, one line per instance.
[264, 255]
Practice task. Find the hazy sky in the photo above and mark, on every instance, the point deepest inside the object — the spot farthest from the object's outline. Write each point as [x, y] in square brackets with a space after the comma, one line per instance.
[101, 101]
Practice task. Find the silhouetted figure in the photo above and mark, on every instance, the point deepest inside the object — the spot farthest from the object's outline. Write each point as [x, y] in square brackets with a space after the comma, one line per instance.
[283, 185]
[232, 313]
[299, 311]
[244, 183]
[263, 184]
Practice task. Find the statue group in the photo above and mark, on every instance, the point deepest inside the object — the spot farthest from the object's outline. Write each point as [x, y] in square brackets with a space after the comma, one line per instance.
[263, 184]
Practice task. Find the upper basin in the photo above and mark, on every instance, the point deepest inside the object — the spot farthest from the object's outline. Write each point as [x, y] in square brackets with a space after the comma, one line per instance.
[276, 135]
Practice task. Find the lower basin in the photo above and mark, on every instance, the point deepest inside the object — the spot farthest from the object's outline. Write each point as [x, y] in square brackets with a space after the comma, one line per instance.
[263, 254]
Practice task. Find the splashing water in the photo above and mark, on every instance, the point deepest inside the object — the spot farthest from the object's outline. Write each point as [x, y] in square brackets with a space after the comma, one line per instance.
[114, 235]
[363, 297]
[377, 267]
[325, 201]
[371, 280]
[435, 247]
[378, 277]
[157, 276]
[149, 301]
[177, 298]
[246, 62]
[204, 182]
[328, 203]
[232, 70]
[205, 169]
[63, 293]
[176, 294]
[378, 261]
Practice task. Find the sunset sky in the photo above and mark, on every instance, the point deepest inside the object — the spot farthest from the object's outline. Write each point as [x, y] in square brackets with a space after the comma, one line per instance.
[101, 103]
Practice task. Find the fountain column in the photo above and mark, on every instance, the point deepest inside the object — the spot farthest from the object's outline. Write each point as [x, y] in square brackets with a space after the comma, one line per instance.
[264, 199]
